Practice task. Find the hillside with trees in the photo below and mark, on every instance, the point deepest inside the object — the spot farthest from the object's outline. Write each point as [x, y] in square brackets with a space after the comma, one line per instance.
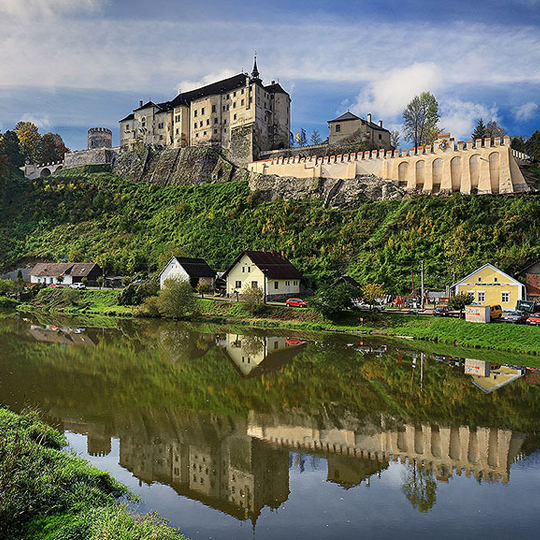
[128, 228]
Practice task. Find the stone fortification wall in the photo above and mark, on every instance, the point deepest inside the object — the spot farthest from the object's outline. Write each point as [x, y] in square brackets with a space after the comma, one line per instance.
[482, 166]
[97, 156]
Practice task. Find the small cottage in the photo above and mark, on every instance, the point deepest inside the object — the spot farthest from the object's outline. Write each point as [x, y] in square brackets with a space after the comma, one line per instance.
[188, 269]
[267, 270]
[70, 273]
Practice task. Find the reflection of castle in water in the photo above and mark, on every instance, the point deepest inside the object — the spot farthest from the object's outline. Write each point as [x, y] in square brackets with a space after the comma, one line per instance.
[486, 453]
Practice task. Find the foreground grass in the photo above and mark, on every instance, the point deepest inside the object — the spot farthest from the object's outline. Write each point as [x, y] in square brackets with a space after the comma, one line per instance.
[47, 494]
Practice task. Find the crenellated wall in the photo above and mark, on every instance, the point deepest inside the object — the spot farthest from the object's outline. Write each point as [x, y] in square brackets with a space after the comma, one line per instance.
[485, 166]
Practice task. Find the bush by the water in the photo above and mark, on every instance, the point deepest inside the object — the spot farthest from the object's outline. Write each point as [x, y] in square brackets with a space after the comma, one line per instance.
[176, 299]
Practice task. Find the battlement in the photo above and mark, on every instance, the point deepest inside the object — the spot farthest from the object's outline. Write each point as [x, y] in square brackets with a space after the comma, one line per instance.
[480, 166]
[100, 130]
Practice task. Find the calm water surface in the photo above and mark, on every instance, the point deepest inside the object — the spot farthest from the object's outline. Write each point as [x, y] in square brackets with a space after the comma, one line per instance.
[235, 433]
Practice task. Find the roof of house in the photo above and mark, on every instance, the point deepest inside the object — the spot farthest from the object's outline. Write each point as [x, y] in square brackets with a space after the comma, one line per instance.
[348, 280]
[61, 269]
[272, 264]
[524, 270]
[128, 117]
[487, 265]
[350, 116]
[195, 268]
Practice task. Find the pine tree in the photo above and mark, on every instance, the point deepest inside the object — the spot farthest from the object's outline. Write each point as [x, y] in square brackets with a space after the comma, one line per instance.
[480, 132]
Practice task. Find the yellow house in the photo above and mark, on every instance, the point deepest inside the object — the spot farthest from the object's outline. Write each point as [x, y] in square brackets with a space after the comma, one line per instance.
[491, 286]
[266, 270]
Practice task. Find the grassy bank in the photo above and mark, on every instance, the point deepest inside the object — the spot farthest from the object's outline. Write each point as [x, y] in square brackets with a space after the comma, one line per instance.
[448, 331]
[48, 494]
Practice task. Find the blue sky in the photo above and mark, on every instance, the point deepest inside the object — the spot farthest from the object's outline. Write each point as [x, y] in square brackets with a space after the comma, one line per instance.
[68, 65]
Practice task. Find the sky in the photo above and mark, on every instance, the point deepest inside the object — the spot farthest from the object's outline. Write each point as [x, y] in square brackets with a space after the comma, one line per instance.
[68, 65]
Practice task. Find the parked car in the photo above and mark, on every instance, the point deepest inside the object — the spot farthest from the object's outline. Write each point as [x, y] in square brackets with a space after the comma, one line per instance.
[295, 302]
[495, 312]
[516, 317]
[441, 311]
[534, 319]
[56, 286]
[78, 286]
[364, 306]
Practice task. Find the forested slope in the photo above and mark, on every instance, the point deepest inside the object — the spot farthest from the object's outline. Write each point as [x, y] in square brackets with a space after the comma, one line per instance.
[130, 227]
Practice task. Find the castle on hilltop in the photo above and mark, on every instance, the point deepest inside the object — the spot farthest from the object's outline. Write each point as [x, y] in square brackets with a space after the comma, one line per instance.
[240, 115]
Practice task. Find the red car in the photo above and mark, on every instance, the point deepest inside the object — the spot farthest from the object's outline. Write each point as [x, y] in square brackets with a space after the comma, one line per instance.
[534, 319]
[57, 286]
[295, 302]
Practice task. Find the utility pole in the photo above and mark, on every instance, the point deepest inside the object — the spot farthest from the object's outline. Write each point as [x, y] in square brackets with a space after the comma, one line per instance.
[422, 283]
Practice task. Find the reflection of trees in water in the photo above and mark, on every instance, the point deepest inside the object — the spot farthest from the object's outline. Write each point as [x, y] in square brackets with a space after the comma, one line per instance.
[419, 487]
[181, 345]
[252, 345]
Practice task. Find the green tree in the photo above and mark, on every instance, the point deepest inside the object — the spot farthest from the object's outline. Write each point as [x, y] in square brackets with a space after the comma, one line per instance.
[202, 287]
[29, 140]
[60, 278]
[12, 150]
[332, 301]
[459, 301]
[315, 137]
[420, 487]
[253, 298]
[532, 145]
[480, 131]
[3, 159]
[176, 299]
[421, 119]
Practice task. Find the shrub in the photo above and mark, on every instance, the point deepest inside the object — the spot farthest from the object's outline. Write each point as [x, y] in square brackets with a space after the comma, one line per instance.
[149, 308]
[176, 299]
[332, 301]
[253, 298]
[135, 293]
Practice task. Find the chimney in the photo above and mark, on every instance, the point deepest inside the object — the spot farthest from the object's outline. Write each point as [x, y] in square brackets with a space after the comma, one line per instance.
[369, 118]
[273, 82]
[140, 102]
[263, 250]
[282, 254]
[380, 123]
[272, 251]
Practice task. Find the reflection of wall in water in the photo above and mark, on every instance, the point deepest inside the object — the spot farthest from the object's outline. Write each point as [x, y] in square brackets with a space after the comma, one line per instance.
[484, 452]
[234, 473]
[490, 377]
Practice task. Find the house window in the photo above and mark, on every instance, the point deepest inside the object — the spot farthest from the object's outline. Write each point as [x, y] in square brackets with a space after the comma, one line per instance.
[481, 296]
[238, 285]
[276, 344]
[287, 284]
[243, 269]
[276, 284]
[505, 297]
[338, 128]
[495, 280]
[295, 283]
[479, 278]
[254, 284]
[380, 136]
[127, 127]
[213, 108]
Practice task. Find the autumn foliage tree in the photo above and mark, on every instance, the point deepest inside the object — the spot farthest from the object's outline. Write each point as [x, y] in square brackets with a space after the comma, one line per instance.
[29, 140]
[52, 148]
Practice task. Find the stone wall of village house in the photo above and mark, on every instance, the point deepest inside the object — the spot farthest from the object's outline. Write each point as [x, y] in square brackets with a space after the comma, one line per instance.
[358, 130]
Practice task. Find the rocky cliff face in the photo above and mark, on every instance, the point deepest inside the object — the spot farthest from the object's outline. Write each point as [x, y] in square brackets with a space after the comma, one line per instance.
[336, 194]
[176, 166]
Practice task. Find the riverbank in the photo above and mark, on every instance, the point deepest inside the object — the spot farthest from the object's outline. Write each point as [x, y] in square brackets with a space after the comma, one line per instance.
[48, 494]
[448, 331]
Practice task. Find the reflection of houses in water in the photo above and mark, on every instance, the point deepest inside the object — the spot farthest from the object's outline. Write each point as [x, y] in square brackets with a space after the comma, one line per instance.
[252, 354]
[62, 336]
[486, 453]
[98, 438]
[490, 377]
[220, 466]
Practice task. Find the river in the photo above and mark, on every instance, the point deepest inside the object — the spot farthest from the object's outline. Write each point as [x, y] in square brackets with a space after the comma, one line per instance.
[231, 432]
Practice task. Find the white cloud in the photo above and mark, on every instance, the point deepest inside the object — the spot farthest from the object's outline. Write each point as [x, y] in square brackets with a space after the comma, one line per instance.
[460, 117]
[47, 9]
[526, 111]
[187, 85]
[39, 121]
[389, 94]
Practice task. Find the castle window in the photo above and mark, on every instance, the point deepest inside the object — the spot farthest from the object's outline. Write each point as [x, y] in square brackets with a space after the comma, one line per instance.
[272, 96]
[160, 125]
[228, 96]
[208, 122]
[234, 94]
[202, 111]
[235, 116]
[225, 130]
[195, 125]
[213, 108]
[234, 105]
[225, 121]
[215, 120]
[227, 107]
[195, 113]
[127, 127]
[196, 134]
[265, 104]
[224, 108]
[380, 136]
[242, 103]
[177, 131]
[204, 133]
[161, 137]
[215, 130]
[201, 123]
[242, 91]
[338, 128]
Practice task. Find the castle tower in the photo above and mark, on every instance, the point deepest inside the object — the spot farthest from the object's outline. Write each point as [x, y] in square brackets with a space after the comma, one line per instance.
[99, 137]
[255, 72]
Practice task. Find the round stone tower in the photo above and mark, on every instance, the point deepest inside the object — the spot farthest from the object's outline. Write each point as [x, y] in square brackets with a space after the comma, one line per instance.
[99, 137]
